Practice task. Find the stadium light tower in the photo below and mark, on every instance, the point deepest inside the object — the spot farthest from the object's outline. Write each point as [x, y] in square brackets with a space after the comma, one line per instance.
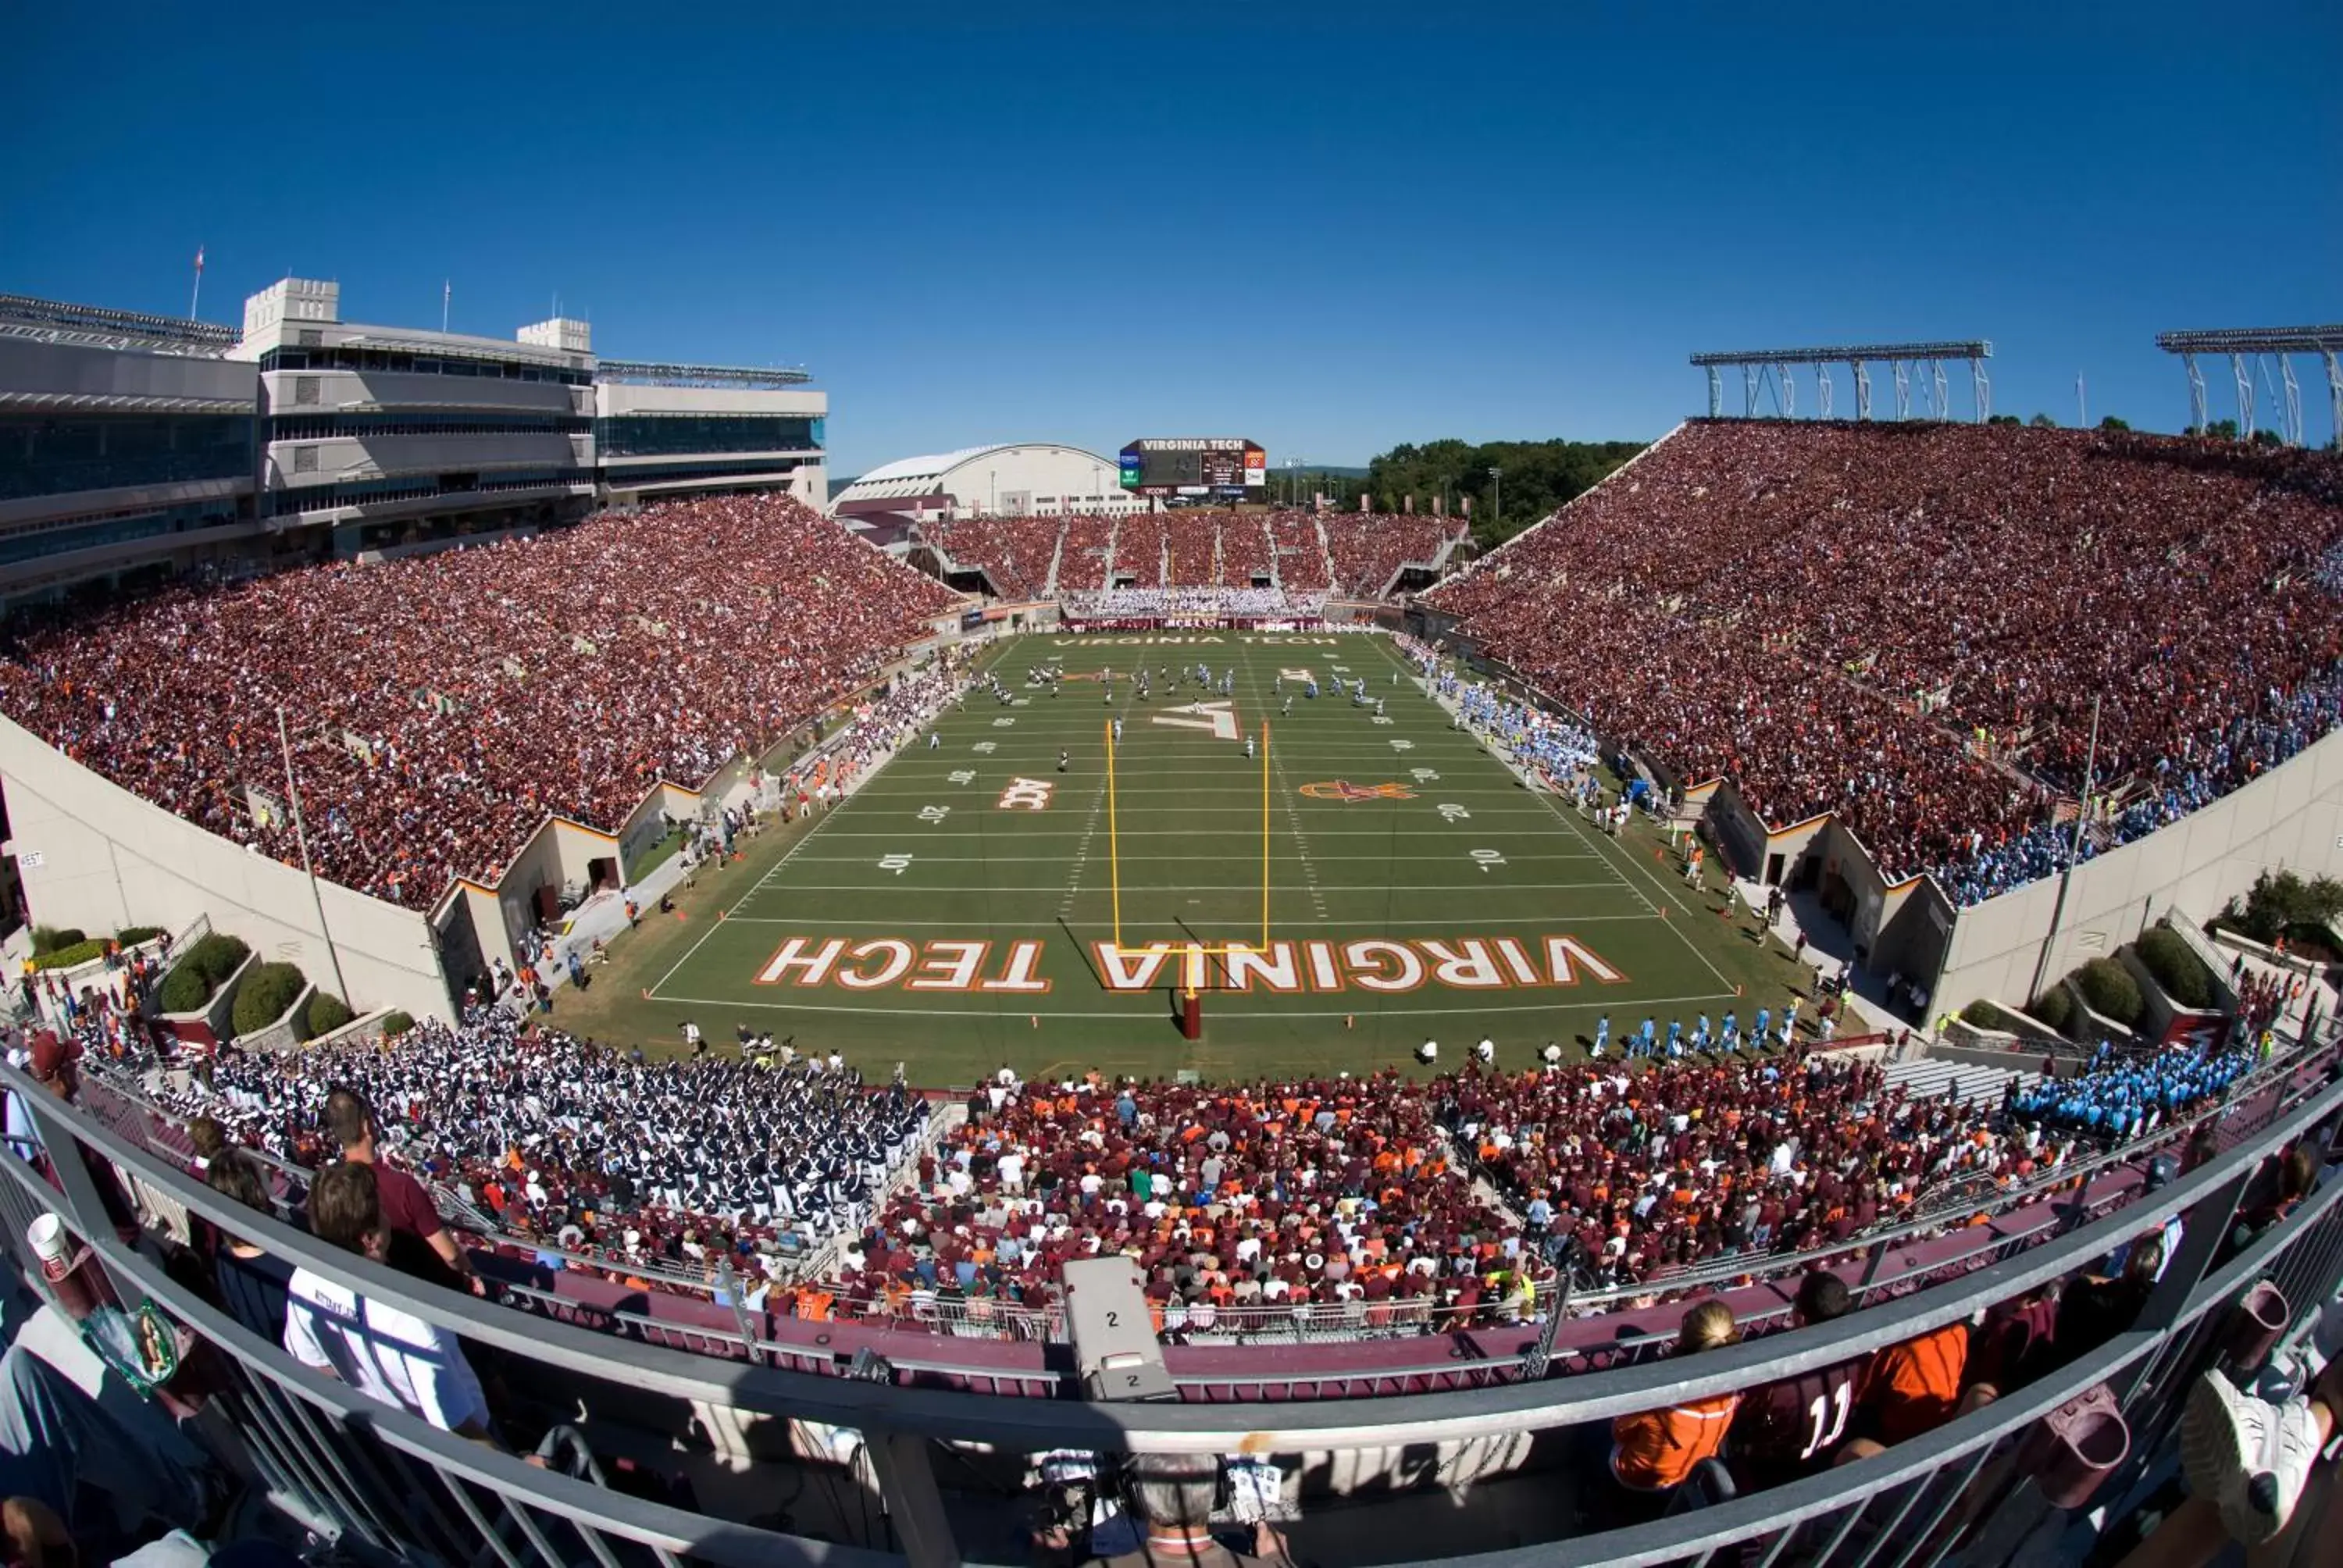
[2250, 349]
[1497, 500]
[1776, 367]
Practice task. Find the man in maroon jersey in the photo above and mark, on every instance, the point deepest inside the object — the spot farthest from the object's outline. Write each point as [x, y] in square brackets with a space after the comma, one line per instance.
[1795, 1427]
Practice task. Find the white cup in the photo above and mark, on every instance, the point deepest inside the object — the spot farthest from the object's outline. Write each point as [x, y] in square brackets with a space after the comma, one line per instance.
[47, 1235]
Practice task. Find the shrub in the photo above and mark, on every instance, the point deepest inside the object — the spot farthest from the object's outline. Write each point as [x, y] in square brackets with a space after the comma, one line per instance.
[215, 957]
[266, 991]
[1984, 1014]
[325, 1014]
[131, 936]
[2055, 1007]
[2275, 902]
[64, 957]
[2109, 989]
[207, 961]
[396, 1024]
[2176, 966]
[184, 990]
[47, 940]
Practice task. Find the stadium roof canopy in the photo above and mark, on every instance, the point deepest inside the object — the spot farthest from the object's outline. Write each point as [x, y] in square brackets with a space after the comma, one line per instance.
[980, 474]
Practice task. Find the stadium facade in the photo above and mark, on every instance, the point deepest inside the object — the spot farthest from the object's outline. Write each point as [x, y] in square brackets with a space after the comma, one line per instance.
[135, 447]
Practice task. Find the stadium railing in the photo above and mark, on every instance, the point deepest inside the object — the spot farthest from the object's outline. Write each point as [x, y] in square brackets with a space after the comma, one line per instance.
[374, 1477]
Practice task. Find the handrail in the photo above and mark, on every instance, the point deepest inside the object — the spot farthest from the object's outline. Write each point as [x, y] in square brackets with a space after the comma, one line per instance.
[1016, 1424]
[650, 1523]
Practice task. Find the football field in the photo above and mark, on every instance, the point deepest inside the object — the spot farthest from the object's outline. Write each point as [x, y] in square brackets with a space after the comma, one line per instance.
[974, 902]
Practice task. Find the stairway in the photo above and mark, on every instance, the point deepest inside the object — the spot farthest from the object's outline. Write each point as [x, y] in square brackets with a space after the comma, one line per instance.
[1925, 1078]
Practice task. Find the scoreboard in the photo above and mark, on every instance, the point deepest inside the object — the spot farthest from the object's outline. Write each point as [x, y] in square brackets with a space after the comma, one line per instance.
[1223, 466]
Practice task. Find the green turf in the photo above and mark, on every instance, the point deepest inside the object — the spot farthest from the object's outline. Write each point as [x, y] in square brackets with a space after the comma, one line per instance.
[925, 852]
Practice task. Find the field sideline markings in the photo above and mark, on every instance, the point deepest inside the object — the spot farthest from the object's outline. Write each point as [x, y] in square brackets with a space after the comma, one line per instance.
[756, 887]
[1569, 820]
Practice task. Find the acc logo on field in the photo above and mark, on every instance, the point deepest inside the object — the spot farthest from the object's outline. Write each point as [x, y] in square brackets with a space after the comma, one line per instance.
[1343, 789]
[1028, 795]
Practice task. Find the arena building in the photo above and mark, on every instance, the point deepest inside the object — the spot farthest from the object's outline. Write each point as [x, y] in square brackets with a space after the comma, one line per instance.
[1038, 479]
[135, 447]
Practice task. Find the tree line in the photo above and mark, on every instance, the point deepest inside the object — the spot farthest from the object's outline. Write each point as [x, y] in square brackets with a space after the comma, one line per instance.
[1532, 478]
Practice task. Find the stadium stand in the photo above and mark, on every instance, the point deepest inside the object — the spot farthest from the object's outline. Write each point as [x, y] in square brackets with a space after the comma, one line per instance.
[1139, 550]
[1798, 607]
[1193, 540]
[1245, 551]
[1300, 551]
[1082, 562]
[1368, 550]
[1014, 552]
[2075, 1304]
[446, 705]
[1368, 1206]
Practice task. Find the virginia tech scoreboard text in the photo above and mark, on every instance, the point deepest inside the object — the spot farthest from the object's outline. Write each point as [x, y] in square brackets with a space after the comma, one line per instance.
[1197, 466]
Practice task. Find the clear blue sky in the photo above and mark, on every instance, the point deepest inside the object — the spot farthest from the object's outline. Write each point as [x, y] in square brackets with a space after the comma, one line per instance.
[1422, 221]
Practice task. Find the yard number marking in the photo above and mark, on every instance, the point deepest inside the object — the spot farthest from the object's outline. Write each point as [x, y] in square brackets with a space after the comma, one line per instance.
[1426, 775]
[963, 776]
[1219, 717]
[985, 745]
[1402, 745]
[895, 863]
[1003, 723]
[1485, 858]
[1451, 811]
[934, 813]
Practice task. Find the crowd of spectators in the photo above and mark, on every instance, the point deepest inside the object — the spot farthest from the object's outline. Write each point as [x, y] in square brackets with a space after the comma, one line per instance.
[1252, 603]
[1194, 547]
[1630, 1177]
[1908, 625]
[1301, 550]
[1368, 549]
[1081, 560]
[443, 706]
[599, 1151]
[1265, 1194]
[1244, 550]
[1015, 553]
[1191, 538]
[1139, 550]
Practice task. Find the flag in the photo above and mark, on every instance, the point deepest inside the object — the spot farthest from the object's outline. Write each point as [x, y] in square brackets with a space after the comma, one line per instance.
[2066, 810]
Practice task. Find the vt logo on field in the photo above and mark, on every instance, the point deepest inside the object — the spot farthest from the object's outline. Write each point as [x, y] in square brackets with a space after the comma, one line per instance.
[1028, 795]
[1220, 718]
[1343, 789]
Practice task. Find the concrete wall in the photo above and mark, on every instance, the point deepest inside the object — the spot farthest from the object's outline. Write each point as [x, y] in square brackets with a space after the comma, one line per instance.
[2291, 818]
[94, 855]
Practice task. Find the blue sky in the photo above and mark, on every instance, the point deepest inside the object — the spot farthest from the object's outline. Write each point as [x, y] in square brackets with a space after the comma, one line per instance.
[1491, 222]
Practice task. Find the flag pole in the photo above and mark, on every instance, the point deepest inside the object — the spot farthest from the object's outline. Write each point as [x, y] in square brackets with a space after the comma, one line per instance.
[196, 297]
[447, 293]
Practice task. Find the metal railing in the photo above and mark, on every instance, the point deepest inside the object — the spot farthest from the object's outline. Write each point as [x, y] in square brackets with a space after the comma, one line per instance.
[373, 1476]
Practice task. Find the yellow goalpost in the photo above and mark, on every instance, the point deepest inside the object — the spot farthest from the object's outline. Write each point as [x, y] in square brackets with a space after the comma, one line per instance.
[1114, 856]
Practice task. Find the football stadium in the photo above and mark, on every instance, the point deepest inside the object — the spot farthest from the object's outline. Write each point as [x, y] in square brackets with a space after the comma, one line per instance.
[580, 988]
